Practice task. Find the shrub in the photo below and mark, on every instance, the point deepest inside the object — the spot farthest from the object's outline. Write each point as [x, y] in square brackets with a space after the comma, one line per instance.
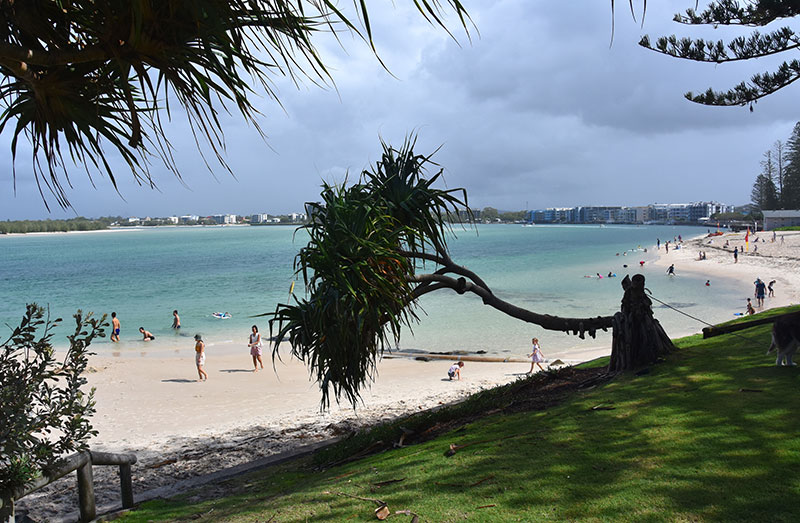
[44, 412]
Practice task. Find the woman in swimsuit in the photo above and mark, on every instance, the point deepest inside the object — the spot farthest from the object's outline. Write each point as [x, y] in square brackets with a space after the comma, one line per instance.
[255, 348]
[200, 357]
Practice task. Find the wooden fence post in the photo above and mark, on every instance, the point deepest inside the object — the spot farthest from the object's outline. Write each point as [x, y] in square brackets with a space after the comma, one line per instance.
[126, 485]
[86, 502]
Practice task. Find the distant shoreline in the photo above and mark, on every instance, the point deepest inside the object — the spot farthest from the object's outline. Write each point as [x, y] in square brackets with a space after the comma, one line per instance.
[147, 227]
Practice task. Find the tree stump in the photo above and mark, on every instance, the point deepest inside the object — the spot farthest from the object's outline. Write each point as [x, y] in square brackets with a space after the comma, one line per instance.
[638, 339]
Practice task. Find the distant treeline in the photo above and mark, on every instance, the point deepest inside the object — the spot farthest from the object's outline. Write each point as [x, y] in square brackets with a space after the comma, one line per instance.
[73, 224]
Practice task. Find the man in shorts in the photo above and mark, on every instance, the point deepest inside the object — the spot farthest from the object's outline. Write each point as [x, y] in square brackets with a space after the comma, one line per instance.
[115, 326]
[760, 292]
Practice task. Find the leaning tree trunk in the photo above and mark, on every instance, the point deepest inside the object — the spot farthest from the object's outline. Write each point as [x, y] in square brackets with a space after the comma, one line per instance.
[638, 339]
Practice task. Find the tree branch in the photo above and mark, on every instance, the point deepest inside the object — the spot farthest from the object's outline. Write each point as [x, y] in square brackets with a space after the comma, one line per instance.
[577, 326]
[448, 266]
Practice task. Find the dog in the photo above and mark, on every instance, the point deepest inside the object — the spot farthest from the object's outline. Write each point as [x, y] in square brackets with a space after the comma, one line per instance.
[785, 339]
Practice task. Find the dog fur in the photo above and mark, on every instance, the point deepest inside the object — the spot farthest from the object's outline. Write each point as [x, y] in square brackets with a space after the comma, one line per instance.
[785, 339]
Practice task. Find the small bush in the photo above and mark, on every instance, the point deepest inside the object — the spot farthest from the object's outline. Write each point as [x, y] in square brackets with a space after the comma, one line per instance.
[44, 412]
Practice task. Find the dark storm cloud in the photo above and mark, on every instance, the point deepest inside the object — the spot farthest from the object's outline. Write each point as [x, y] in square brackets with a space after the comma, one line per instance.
[537, 108]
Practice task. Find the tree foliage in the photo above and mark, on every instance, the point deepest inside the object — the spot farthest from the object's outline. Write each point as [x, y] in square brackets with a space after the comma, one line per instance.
[44, 412]
[82, 78]
[764, 195]
[790, 192]
[73, 224]
[751, 13]
[363, 272]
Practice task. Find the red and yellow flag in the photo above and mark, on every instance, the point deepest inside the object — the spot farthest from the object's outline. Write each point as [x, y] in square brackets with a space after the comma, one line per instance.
[747, 240]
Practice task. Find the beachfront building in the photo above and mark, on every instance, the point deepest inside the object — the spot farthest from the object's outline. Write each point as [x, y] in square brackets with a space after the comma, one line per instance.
[464, 216]
[188, 218]
[782, 218]
[696, 212]
[224, 219]
[259, 218]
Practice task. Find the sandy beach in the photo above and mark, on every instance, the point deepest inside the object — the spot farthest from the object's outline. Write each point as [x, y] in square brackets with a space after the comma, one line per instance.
[765, 259]
[180, 428]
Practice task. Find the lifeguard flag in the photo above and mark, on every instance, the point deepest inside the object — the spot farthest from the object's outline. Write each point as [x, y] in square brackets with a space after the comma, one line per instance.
[747, 240]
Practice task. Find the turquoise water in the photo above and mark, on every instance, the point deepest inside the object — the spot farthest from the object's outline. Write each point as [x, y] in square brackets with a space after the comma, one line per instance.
[144, 274]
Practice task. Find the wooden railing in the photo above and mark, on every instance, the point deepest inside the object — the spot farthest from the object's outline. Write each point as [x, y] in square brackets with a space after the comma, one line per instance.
[81, 462]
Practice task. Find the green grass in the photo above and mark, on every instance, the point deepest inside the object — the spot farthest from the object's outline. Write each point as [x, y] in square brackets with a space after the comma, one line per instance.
[682, 443]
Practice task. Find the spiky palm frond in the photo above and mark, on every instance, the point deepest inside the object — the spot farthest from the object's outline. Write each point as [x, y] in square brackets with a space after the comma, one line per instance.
[356, 270]
[83, 76]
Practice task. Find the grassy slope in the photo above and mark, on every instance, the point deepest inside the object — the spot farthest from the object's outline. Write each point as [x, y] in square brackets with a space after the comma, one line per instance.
[681, 443]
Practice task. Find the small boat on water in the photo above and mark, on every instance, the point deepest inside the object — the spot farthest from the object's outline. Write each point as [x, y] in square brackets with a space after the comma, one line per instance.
[222, 315]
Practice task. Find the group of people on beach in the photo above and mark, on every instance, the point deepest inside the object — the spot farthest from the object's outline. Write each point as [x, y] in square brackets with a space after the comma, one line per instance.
[116, 327]
[255, 351]
[536, 357]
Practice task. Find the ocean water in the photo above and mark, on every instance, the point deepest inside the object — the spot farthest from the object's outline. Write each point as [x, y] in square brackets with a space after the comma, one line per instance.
[143, 274]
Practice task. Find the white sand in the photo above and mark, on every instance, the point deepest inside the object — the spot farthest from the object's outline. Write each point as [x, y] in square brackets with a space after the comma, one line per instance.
[181, 428]
[766, 260]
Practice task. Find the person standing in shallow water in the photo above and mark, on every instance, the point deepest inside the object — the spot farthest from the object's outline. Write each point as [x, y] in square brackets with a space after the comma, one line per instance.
[176, 320]
[200, 357]
[255, 348]
[115, 327]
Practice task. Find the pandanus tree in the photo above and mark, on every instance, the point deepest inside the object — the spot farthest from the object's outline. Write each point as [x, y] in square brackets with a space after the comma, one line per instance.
[364, 270]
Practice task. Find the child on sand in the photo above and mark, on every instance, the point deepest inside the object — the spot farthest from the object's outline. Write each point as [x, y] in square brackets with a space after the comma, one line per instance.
[750, 309]
[200, 357]
[536, 355]
[455, 370]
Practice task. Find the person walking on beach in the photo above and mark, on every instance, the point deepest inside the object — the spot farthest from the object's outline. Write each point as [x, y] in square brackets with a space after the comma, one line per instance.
[658, 244]
[760, 291]
[176, 320]
[771, 293]
[455, 370]
[736, 255]
[200, 357]
[255, 348]
[671, 270]
[536, 355]
[148, 336]
[115, 326]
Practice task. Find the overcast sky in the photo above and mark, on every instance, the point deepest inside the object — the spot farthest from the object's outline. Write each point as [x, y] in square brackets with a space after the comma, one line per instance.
[535, 111]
